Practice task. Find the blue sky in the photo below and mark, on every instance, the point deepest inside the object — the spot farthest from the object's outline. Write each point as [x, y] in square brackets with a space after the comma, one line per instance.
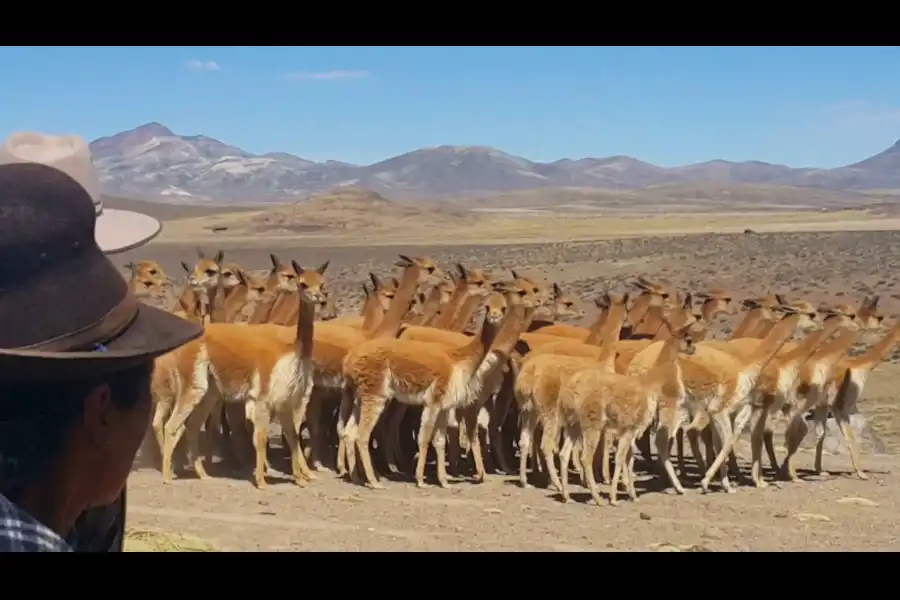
[801, 106]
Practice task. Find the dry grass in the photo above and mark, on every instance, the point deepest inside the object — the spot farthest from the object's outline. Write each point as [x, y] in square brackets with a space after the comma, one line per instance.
[373, 229]
[355, 216]
[168, 211]
[678, 197]
[152, 540]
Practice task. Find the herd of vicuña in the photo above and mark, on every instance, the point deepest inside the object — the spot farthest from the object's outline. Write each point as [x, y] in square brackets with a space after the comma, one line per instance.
[484, 368]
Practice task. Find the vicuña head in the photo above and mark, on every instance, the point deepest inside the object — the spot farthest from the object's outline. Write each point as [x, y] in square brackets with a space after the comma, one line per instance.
[147, 279]
[282, 277]
[844, 314]
[717, 300]
[566, 305]
[868, 314]
[766, 305]
[430, 272]
[311, 282]
[495, 308]
[683, 336]
[477, 281]
[518, 291]
[808, 316]
[385, 288]
[541, 290]
[205, 273]
[230, 273]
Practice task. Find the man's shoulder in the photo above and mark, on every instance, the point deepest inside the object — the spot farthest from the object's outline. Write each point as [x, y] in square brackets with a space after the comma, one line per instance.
[20, 532]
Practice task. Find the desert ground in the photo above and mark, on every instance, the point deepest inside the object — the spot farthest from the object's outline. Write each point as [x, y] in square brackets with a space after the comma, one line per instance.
[819, 256]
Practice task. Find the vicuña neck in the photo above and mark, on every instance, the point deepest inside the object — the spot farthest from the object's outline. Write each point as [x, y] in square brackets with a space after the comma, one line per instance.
[373, 312]
[772, 343]
[810, 343]
[878, 352]
[393, 318]
[517, 322]
[639, 308]
[457, 298]
[666, 367]
[431, 306]
[596, 330]
[306, 319]
[465, 312]
[750, 322]
[475, 350]
[652, 321]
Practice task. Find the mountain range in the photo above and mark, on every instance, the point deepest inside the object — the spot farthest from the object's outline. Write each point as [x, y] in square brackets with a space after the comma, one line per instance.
[151, 162]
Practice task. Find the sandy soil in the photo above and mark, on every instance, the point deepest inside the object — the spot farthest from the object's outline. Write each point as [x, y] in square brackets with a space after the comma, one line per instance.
[823, 513]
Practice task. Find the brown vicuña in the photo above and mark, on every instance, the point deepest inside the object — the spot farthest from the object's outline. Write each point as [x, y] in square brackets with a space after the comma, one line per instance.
[719, 384]
[250, 365]
[537, 389]
[435, 377]
[835, 389]
[597, 404]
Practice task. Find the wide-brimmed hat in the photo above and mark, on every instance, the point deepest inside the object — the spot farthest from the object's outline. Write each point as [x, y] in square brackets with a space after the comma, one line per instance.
[65, 311]
[116, 230]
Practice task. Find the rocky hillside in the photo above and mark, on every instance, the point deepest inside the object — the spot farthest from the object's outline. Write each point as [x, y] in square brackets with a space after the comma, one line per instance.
[152, 162]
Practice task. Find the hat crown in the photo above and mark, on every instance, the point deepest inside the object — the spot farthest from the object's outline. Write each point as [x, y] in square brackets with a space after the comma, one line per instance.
[54, 279]
[67, 153]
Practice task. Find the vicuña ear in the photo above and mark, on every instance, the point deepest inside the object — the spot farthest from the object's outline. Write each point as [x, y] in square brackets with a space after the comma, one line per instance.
[751, 304]
[603, 301]
[404, 261]
[463, 274]
[639, 284]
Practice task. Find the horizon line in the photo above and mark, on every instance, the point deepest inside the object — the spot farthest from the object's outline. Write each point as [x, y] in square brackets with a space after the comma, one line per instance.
[493, 148]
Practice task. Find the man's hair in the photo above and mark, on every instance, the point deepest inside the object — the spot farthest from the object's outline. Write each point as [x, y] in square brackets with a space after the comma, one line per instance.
[36, 420]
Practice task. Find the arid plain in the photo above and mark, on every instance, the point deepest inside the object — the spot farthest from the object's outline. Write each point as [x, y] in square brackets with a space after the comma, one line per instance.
[833, 255]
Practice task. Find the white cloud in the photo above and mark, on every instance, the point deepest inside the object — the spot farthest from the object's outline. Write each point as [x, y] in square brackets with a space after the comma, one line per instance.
[328, 75]
[202, 65]
[859, 112]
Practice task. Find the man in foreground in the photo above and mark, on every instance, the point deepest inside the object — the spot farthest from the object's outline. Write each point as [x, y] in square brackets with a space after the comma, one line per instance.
[76, 351]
